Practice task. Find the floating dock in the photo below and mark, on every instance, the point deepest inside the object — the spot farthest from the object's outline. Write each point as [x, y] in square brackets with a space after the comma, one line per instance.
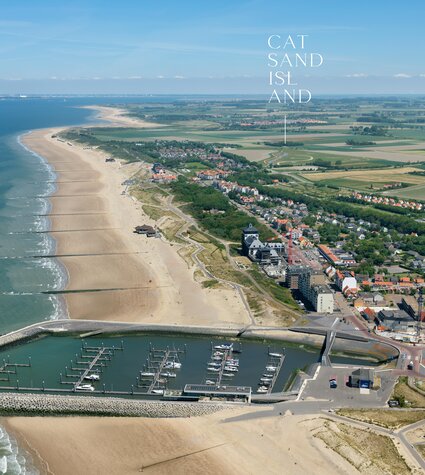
[154, 376]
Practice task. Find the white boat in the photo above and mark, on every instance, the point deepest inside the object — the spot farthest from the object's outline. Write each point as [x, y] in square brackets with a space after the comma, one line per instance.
[157, 391]
[217, 358]
[272, 369]
[276, 355]
[147, 374]
[266, 380]
[213, 369]
[262, 389]
[209, 382]
[214, 365]
[267, 375]
[228, 375]
[232, 362]
[224, 346]
[167, 374]
[92, 377]
[218, 353]
[172, 365]
[231, 368]
[85, 387]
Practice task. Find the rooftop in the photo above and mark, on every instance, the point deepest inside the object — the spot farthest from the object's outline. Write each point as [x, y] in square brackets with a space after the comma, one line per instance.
[217, 390]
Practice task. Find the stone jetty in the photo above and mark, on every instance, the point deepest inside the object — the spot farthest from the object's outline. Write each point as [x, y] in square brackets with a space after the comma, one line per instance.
[47, 404]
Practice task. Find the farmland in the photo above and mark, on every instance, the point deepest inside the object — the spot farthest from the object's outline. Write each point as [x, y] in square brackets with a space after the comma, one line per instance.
[366, 180]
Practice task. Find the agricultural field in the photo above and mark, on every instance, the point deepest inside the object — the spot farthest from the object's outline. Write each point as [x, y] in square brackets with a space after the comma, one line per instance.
[416, 192]
[366, 180]
[385, 132]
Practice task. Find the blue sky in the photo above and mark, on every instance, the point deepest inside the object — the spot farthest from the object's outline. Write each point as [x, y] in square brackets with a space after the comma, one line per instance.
[216, 46]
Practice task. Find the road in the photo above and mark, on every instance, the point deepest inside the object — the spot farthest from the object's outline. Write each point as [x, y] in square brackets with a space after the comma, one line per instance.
[407, 351]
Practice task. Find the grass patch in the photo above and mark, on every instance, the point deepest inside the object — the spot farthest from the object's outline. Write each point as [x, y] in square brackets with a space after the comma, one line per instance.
[367, 451]
[149, 196]
[153, 212]
[389, 418]
[211, 283]
[282, 294]
[170, 227]
[407, 396]
[254, 304]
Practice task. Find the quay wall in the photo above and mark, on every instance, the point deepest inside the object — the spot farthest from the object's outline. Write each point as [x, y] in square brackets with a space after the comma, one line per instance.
[375, 349]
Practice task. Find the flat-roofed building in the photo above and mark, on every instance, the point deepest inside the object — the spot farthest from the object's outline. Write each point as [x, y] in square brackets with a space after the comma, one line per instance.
[219, 391]
[362, 378]
[322, 299]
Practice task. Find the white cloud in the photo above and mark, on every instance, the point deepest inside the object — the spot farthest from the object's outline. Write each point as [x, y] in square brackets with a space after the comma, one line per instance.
[402, 75]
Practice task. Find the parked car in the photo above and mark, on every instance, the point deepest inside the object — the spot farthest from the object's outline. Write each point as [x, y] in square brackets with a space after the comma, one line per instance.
[393, 403]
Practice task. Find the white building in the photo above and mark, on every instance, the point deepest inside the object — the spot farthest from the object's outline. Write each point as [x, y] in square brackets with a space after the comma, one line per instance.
[322, 299]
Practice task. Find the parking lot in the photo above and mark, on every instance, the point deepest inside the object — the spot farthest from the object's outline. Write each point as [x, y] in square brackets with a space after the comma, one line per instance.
[344, 395]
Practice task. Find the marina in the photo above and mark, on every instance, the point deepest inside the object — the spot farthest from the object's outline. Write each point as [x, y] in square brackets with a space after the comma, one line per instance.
[152, 365]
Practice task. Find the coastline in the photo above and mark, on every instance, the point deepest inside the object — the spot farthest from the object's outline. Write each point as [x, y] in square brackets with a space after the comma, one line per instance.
[114, 275]
[60, 271]
[117, 117]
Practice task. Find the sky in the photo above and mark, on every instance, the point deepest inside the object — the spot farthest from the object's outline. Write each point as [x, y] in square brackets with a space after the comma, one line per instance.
[215, 47]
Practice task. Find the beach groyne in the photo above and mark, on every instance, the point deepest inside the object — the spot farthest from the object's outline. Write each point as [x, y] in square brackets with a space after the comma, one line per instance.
[14, 404]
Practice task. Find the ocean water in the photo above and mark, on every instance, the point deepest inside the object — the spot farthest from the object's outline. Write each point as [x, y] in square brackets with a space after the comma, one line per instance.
[26, 181]
[13, 459]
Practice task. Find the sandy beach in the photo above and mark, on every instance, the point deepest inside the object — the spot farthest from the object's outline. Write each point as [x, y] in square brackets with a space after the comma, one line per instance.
[226, 442]
[114, 274]
[117, 117]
